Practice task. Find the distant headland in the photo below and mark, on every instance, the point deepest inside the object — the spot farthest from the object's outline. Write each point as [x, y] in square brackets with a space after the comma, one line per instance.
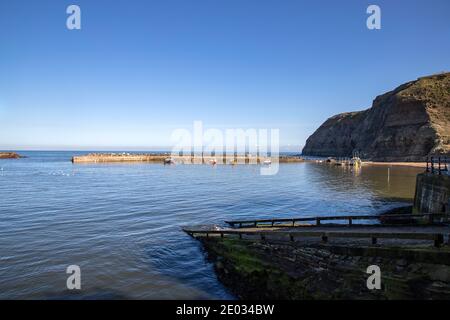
[10, 155]
[406, 124]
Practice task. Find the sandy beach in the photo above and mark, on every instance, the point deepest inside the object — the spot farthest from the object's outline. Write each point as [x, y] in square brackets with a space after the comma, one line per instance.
[397, 164]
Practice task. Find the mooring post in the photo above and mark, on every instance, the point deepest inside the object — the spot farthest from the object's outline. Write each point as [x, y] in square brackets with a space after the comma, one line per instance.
[350, 222]
[318, 221]
[427, 169]
[291, 237]
[432, 165]
[439, 240]
[439, 167]
[293, 222]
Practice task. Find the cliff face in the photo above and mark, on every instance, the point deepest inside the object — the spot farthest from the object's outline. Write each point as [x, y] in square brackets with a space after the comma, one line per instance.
[405, 124]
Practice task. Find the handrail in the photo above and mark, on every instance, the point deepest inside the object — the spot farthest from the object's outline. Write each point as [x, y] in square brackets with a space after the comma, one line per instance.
[318, 220]
[438, 238]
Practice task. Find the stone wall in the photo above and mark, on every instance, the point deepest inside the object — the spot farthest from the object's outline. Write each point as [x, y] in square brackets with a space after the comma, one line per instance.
[432, 193]
[265, 270]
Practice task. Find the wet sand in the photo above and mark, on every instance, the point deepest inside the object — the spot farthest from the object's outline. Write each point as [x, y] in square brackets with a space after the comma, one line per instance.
[397, 164]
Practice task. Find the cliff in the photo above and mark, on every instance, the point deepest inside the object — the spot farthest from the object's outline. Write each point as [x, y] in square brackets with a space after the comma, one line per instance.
[405, 124]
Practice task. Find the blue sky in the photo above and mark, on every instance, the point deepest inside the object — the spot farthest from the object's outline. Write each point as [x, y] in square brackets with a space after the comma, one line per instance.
[139, 69]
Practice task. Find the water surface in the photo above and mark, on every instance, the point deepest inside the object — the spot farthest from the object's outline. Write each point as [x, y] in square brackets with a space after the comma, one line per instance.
[121, 222]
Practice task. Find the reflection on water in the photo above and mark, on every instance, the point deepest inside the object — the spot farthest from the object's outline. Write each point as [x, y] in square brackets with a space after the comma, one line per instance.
[121, 223]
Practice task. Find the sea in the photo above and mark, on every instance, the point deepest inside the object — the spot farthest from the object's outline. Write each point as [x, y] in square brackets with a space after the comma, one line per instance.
[121, 223]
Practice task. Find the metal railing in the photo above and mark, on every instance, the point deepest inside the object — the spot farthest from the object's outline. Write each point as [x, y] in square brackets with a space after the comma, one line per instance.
[437, 164]
[291, 222]
[437, 238]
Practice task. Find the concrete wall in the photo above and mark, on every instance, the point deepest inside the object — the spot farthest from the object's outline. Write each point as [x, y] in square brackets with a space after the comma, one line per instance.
[432, 193]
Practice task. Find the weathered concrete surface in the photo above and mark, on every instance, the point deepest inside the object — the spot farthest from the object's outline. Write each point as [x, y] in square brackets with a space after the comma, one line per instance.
[119, 157]
[432, 193]
[405, 124]
[218, 159]
[302, 270]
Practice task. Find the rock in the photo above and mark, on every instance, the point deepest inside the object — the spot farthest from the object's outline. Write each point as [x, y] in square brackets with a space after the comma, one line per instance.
[440, 273]
[405, 124]
[9, 155]
[402, 263]
[219, 265]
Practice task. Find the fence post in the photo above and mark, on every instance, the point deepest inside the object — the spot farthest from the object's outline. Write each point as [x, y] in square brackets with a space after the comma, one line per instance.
[439, 168]
[438, 240]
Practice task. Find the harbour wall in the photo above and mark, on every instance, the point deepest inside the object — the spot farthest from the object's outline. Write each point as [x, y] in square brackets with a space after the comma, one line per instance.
[184, 159]
[281, 270]
[432, 193]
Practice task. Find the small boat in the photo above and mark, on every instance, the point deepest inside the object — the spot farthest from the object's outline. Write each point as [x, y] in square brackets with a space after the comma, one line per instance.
[267, 162]
[213, 162]
[169, 161]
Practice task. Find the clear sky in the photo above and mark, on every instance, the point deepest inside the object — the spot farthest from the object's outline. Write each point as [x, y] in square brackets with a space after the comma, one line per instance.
[139, 69]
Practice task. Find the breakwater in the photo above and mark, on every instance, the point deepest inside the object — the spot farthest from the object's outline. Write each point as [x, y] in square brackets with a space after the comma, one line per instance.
[284, 270]
[184, 159]
[119, 157]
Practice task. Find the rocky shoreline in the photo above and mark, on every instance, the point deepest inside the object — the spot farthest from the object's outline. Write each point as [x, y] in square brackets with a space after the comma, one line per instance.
[10, 155]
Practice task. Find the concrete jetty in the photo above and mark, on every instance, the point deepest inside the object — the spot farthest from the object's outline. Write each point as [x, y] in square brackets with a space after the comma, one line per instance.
[119, 157]
[182, 159]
